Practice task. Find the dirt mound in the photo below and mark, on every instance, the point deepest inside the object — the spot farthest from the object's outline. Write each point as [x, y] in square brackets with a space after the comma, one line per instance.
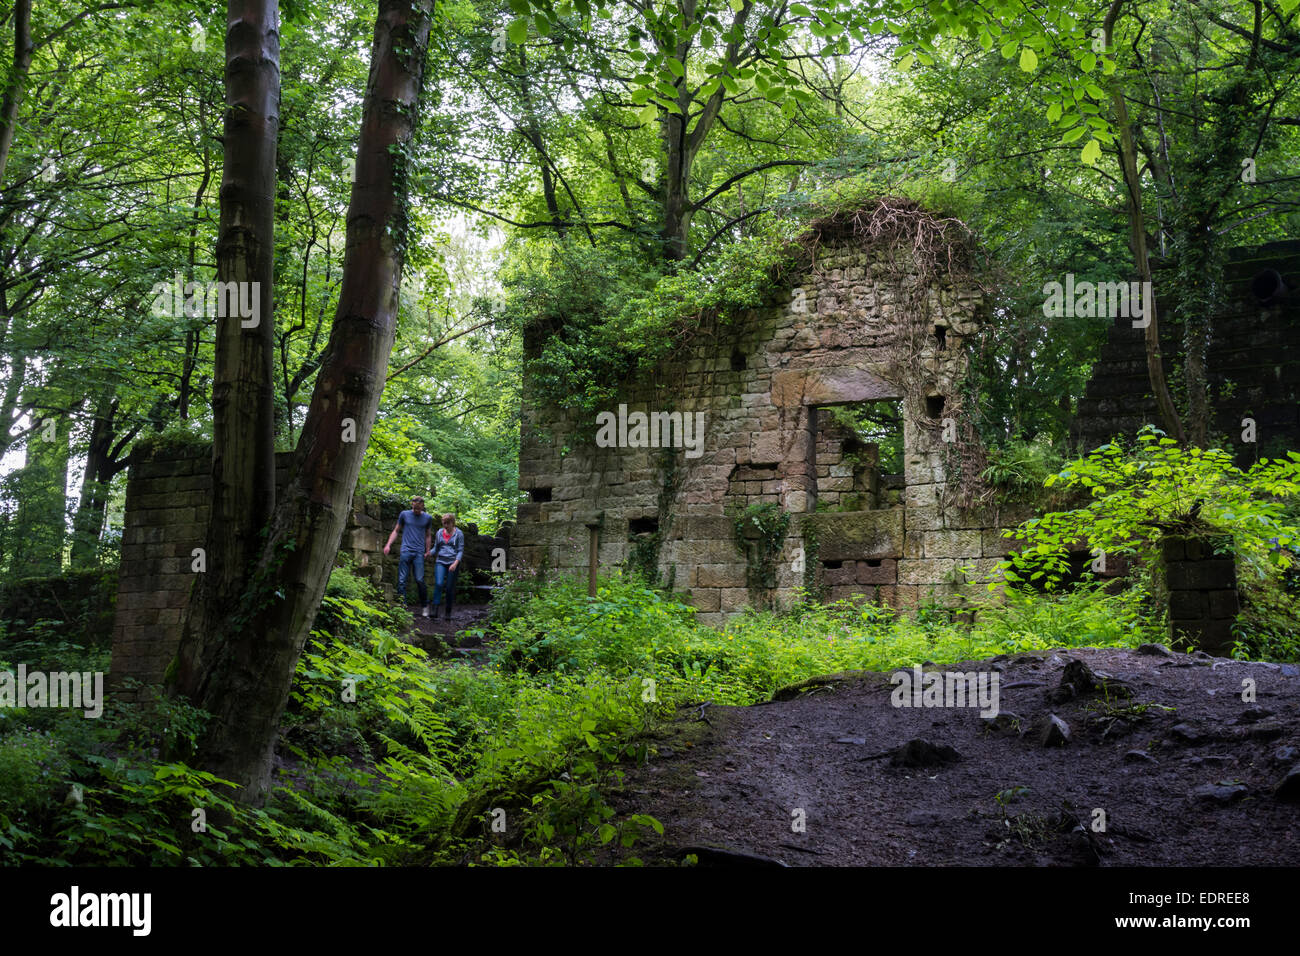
[1095, 757]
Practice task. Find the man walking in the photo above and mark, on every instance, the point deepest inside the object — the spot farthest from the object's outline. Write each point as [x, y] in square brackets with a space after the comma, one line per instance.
[447, 551]
[416, 528]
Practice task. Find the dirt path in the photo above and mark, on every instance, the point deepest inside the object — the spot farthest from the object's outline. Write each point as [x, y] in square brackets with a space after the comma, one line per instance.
[1192, 785]
[443, 637]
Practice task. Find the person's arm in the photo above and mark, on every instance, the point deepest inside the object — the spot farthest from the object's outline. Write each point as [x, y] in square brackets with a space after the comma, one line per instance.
[393, 537]
[428, 539]
[460, 549]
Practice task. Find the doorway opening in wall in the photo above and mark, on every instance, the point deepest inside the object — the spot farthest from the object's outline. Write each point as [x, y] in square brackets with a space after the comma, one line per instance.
[859, 451]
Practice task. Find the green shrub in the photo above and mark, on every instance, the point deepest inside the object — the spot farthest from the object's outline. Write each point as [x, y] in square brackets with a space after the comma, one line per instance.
[1157, 488]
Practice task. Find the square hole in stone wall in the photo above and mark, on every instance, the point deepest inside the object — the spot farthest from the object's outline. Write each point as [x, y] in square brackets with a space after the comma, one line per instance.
[539, 494]
[878, 423]
[637, 526]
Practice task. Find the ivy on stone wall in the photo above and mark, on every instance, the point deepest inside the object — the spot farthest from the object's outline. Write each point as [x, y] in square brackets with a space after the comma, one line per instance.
[644, 550]
[760, 536]
[814, 582]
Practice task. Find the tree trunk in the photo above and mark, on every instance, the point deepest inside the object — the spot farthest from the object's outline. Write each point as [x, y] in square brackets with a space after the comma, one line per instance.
[1138, 243]
[243, 678]
[104, 459]
[243, 446]
[13, 94]
[88, 522]
[681, 147]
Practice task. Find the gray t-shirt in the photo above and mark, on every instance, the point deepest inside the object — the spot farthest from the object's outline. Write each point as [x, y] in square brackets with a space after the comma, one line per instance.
[414, 530]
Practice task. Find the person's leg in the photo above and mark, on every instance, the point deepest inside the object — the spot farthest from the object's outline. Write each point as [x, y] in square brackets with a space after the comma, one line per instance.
[451, 588]
[439, 577]
[403, 566]
[418, 562]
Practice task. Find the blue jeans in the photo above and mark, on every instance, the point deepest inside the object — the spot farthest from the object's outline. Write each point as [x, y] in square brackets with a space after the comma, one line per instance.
[444, 578]
[411, 561]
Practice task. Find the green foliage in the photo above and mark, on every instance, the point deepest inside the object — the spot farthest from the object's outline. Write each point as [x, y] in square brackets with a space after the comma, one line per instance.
[1022, 466]
[1157, 488]
[879, 423]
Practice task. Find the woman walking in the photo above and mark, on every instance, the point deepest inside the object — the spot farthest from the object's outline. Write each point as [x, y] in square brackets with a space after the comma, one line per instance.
[447, 551]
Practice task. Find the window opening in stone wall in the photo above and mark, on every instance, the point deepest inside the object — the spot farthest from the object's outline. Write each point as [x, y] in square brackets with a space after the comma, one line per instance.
[859, 453]
[934, 406]
[940, 337]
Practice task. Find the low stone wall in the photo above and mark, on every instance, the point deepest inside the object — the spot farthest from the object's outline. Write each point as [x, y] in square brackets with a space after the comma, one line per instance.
[167, 506]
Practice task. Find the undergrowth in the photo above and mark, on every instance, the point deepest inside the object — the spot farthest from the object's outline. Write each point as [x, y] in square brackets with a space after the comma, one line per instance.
[391, 757]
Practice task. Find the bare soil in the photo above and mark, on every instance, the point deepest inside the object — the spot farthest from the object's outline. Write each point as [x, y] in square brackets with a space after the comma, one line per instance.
[445, 637]
[1185, 771]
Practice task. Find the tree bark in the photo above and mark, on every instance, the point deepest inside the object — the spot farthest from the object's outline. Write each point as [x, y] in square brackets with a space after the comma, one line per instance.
[252, 647]
[104, 459]
[681, 147]
[243, 415]
[13, 95]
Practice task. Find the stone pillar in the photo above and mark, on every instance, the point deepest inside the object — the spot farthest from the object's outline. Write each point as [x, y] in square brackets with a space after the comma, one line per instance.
[167, 503]
[1201, 588]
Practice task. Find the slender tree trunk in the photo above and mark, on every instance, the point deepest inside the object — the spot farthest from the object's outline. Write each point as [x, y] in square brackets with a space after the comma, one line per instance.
[88, 522]
[190, 359]
[682, 146]
[244, 678]
[1138, 243]
[13, 93]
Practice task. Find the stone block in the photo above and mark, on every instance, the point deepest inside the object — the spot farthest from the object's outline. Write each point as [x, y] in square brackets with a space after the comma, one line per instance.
[922, 496]
[883, 571]
[720, 575]
[845, 574]
[993, 545]
[734, 599]
[1215, 574]
[856, 535]
[1223, 603]
[1187, 605]
[927, 571]
[952, 544]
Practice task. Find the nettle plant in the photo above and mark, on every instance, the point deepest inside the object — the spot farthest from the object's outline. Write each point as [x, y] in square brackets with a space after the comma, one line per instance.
[1157, 489]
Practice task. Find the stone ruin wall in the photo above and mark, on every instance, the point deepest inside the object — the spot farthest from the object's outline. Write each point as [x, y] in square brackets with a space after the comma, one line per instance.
[760, 383]
[167, 505]
[1253, 360]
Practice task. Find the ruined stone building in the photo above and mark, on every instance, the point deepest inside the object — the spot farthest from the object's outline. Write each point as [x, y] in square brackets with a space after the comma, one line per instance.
[865, 320]
[728, 473]
[1253, 361]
